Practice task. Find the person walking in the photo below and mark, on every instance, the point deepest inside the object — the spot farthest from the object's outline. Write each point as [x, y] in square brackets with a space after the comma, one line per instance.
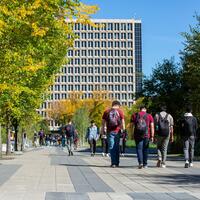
[92, 136]
[143, 124]
[113, 122]
[104, 142]
[164, 133]
[70, 129]
[122, 143]
[189, 127]
[41, 137]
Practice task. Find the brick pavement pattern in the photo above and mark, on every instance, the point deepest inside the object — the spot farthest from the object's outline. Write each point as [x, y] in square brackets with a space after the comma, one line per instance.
[50, 174]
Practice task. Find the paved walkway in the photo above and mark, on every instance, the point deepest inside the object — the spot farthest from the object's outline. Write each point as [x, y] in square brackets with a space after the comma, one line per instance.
[50, 174]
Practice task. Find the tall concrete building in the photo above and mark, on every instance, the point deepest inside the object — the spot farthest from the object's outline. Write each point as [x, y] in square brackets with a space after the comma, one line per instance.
[108, 58]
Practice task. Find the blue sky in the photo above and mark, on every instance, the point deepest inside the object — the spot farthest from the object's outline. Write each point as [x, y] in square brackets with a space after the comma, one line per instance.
[163, 21]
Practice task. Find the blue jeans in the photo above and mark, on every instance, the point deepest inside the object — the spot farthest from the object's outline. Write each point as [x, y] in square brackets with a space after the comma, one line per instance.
[142, 147]
[114, 147]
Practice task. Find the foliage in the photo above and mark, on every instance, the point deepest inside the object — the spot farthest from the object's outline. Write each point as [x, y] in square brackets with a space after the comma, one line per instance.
[81, 121]
[191, 66]
[34, 39]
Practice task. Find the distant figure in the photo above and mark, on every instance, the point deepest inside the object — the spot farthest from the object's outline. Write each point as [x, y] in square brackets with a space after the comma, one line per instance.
[92, 136]
[76, 139]
[35, 139]
[41, 137]
[70, 129]
[164, 130]
[104, 141]
[189, 128]
[122, 143]
[113, 122]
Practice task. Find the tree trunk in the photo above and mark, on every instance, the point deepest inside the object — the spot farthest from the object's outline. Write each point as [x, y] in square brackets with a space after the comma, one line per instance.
[0, 143]
[16, 134]
[8, 143]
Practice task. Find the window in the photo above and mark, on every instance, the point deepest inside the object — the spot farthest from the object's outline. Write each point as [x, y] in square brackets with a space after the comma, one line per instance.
[84, 44]
[110, 44]
[103, 44]
[116, 35]
[117, 52]
[97, 53]
[90, 79]
[97, 70]
[83, 36]
[123, 26]
[90, 35]
[130, 53]
[90, 53]
[90, 61]
[70, 70]
[130, 44]
[110, 26]
[110, 52]
[130, 70]
[83, 61]
[130, 87]
[77, 52]
[97, 36]
[103, 53]
[97, 79]
[116, 44]
[90, 44]
[77, 70]
[130, 78]
[124, 79]
[103, 35]
[130, 62]
[123, 70]
[123, 35]
[117, 79]
[117, 61]
[104, 79]
[77, 79]
[84, 70]
[77, 44]
[104, 61]
[97, 44]
[84, 78]
[110, 79]
[130, 27]
[123, 53]
[123, 44]
[110, 35]
[124, 88]
[110, 61]
[130, 36]
[104, 70]
[117, 70]
[70, 78]
[77, 61]
[123, 61]
[110, 70]
[84, 87]
[83, 52]
[97, 61]
[90, 70]
[117, 26]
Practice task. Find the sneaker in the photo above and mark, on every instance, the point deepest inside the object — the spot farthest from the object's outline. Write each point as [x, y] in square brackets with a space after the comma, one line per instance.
[191, 164]
[122, 155]
[145, 166]
[72, 153]
[113, 166]
[107, 155]
[163, 165]
[103, 154]
[186, 165]
[158, 163]
[140, 166]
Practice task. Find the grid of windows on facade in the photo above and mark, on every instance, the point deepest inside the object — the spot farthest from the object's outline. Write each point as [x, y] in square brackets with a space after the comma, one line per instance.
[107, 57]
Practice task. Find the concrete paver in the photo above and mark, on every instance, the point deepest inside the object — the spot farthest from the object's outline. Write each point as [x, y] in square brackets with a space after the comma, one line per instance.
[49, 173]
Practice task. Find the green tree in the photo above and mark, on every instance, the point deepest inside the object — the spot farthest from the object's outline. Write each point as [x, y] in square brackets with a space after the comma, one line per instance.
[81, 121]
[34, 39]
[191, 66]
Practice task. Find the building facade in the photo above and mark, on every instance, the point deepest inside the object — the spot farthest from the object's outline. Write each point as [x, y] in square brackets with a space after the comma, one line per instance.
[106, 58]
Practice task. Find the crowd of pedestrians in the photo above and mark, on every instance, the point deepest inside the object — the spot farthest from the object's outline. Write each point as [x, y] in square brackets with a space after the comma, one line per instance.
[113, 135]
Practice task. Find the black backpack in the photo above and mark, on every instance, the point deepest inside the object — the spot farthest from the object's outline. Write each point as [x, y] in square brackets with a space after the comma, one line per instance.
[141, 128]
[113, 118]
[163, 126]
[188, 126]
[69, 130]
